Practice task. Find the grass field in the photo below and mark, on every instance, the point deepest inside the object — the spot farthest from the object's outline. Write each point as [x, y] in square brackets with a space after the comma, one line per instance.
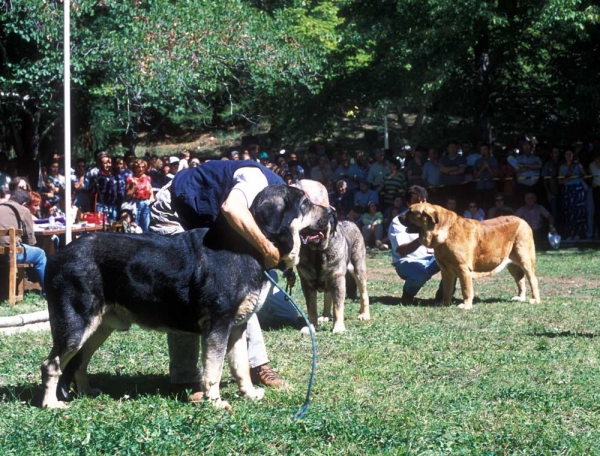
[504, 378]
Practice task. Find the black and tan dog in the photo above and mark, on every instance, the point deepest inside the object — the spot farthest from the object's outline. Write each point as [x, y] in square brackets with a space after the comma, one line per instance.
[326, 260]
[202, 281]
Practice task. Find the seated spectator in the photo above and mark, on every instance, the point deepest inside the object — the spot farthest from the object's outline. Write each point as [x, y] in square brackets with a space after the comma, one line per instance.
[127, 220]
[264, 158]
[474, 212]
[349, 172]
[194, 161]
[19, 183]
[499, 208]
[372, 225]
[536, 216]
[34, 205]
[365, 195]
[15, 214]
[293, 169]
[340, 200]
[397, 206]
[451, 204]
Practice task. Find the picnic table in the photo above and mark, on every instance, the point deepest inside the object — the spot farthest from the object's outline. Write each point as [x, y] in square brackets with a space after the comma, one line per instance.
[44, 233]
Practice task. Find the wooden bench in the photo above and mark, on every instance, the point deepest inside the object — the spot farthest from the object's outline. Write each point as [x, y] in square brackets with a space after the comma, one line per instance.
[16, 271]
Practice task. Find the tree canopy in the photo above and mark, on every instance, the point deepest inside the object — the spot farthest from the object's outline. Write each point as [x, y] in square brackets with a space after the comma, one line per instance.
[142, 65]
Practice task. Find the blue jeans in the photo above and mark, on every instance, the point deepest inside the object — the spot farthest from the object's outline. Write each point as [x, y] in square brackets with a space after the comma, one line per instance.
[37, 257]
[143, 215]
[415, 273]
[110, 211]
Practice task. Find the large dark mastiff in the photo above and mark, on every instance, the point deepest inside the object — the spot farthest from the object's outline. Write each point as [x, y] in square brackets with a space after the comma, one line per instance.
[325, 261]
[202, 281]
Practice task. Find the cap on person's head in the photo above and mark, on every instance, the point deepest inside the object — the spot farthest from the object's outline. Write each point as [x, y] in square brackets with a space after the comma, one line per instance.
[235, 153]
[263, 156]
[173, 160]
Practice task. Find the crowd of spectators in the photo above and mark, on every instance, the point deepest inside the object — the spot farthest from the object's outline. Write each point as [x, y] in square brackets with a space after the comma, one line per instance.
[552, 187]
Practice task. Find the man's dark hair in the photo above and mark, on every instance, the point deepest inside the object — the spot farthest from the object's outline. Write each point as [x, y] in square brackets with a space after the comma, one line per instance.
[20, 197]
[419, 191]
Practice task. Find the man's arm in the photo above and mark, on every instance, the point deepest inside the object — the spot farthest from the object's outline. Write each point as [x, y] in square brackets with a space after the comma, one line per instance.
[408, 247]
[239, 217]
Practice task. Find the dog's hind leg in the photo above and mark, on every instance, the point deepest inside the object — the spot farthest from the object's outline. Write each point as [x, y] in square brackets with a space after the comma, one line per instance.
[237, 353]
[82, 360]
[519, 276]
[67, 344]
[214, 346]
[310, 296]
[359, 273]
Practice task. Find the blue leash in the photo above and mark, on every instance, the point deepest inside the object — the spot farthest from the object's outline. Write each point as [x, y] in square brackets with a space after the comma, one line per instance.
[301, 413]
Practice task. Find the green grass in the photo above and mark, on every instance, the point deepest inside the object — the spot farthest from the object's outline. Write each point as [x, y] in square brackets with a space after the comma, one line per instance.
[504, 378]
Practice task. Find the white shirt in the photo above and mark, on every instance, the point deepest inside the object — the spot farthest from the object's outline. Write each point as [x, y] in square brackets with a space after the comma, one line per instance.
[250, 181]
[397, 235]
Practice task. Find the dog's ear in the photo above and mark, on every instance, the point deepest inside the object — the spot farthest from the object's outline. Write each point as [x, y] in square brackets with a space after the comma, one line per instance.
[333, 219]
[433, 215]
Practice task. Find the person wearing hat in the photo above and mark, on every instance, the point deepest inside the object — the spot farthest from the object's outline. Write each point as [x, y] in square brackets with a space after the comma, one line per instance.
[173, 167]
[263, 158]
[413, 262]
[235, 155]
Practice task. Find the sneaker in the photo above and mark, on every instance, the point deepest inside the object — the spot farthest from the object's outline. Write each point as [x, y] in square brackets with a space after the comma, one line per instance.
[381, 246]
[265, 375]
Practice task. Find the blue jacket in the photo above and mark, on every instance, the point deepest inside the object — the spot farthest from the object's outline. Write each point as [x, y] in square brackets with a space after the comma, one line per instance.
[198, 193]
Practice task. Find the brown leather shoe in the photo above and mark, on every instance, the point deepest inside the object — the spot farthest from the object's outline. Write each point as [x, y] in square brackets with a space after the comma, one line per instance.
[266, 376]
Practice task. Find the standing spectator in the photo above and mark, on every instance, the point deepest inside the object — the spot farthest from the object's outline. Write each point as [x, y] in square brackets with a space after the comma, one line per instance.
[394, 184]
[451, 204]
[431, 174]
[4, 175]
[595, 173]
[19, 183]
[474, 212]
[528, 170]
[452, 168]
[414, 168]
[173, 167]
[107, 193]
[81, 186]
[54, 186]
[322, 172]
[571, 175]
[263, 158]
[485, 170]
[499, 208]
[139, 191]
[378, 171]
[507, 174]
[534, 214]
[550, 181]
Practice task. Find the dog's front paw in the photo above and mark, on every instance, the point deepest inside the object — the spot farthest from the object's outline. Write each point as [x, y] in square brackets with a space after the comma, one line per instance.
[518, 298]
[306, 330]
[465, 306]
[256, 395]
[364, 316]
[220, 404]
[55, 405]
[324, 319]
[338, 329]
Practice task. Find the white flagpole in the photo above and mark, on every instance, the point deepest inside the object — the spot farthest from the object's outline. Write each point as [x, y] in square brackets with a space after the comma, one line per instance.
[67, 118]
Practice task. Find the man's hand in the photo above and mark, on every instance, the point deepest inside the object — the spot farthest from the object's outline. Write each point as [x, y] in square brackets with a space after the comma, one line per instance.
[271, 258]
